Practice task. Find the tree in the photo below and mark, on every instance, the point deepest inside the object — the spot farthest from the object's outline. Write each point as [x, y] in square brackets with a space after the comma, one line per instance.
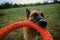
[6, 5]
[45, 2]
[55, 1]
[16, 5]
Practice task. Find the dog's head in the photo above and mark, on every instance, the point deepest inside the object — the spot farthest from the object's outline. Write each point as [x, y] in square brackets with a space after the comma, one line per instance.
[37, 17]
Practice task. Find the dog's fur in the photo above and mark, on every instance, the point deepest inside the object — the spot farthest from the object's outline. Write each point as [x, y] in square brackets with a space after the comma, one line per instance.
[29, 33]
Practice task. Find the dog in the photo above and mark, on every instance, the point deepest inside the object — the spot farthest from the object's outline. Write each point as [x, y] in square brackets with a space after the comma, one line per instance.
[37, 17]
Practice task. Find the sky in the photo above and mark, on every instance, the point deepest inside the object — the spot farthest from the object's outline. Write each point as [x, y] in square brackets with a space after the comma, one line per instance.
[25, 1]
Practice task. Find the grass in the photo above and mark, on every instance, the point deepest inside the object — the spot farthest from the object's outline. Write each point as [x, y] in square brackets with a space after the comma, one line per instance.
[51, 12]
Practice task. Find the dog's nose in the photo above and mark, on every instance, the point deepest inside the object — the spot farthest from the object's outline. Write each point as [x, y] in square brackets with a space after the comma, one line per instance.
[42, 23]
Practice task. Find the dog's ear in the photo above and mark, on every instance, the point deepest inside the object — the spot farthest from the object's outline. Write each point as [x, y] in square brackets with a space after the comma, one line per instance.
[27, 12]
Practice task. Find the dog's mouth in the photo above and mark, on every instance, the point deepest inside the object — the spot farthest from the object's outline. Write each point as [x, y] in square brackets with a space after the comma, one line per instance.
[41, 22]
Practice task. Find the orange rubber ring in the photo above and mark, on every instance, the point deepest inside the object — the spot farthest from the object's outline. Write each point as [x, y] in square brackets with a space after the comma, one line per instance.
[43, 32]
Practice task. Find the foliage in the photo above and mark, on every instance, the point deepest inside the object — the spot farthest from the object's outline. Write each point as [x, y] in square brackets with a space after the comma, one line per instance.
[7, 5]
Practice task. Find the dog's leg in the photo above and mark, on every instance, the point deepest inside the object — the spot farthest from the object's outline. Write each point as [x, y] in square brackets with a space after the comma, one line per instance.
[28, 34]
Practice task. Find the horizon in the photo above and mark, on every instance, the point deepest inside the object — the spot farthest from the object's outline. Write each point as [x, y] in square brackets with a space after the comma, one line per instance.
[25, 1]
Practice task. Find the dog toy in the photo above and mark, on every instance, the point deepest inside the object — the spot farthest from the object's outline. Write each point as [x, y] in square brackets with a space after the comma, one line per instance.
[42, 31]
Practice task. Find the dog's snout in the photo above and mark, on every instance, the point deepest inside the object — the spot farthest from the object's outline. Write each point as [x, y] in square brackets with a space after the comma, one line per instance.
[42, 23]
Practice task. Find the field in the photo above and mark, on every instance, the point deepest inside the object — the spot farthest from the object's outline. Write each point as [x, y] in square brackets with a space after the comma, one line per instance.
[51, 12]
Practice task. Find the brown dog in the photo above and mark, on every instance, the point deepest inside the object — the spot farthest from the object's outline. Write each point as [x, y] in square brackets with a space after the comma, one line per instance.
[37, 17]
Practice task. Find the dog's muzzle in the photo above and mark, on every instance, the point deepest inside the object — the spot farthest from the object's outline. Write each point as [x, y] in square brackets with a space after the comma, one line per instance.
[41, 22]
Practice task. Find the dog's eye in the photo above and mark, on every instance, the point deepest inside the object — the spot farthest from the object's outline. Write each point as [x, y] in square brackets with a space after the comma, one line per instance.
[35, 15]
[42, 15]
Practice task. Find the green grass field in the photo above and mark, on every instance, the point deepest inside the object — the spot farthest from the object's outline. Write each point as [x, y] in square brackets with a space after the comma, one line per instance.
[51, 12]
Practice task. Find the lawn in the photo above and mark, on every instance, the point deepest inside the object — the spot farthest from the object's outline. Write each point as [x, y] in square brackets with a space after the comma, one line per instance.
[51, 12]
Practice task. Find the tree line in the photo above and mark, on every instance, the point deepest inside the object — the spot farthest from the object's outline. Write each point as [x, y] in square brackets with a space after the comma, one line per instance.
[7, 5]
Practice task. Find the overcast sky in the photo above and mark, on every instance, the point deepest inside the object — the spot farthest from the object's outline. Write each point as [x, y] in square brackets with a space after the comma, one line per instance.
[24, 1]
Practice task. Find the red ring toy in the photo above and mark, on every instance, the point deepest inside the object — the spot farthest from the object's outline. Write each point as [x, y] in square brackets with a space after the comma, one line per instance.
[43, 32]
